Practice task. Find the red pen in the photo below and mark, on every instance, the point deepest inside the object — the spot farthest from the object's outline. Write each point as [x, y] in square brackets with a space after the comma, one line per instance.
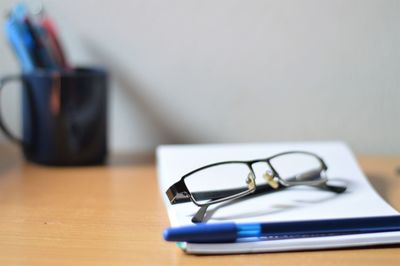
[57, 49]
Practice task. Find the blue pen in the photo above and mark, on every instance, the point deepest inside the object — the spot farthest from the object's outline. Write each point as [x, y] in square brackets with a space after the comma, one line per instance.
[15, 38]
[33, 37]
[19, 14]
[231, 232]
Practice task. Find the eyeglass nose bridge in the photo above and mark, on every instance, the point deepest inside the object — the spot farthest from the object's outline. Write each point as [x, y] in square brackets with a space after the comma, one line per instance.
[251, 182]
[271, 180]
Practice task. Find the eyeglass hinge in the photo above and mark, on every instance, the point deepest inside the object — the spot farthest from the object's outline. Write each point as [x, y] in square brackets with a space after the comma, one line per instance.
[177, 193]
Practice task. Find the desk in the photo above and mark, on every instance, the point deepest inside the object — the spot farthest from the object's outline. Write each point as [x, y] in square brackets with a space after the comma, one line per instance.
[114, 215]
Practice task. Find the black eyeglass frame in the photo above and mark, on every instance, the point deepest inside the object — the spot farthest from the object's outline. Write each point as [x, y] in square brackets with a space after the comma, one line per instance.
[179, 193]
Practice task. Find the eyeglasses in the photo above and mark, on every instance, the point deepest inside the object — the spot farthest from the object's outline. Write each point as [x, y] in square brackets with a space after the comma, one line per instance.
[230, 180]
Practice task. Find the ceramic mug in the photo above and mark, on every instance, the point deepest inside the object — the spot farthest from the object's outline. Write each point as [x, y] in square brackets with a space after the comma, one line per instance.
[64, 116]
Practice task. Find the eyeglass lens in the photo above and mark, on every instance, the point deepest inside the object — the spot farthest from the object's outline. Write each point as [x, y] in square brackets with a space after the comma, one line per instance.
[218, 182]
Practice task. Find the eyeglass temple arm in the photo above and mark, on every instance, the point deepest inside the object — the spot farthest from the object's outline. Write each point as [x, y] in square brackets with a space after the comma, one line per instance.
[260, 189]
[312, 175]
[180, 197]
[177, 197]
[200, 214]
[332, 188]
[214, 194]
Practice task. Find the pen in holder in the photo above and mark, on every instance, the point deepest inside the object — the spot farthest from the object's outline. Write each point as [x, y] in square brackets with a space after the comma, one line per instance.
[64, 116]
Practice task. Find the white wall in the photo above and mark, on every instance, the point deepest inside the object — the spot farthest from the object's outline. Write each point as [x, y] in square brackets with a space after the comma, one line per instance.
[225, 71]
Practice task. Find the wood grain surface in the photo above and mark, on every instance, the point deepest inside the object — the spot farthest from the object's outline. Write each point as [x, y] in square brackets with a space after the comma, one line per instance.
[114, 215]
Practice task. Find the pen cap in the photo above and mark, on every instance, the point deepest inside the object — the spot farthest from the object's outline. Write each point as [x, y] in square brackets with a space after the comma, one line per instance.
[202, 233]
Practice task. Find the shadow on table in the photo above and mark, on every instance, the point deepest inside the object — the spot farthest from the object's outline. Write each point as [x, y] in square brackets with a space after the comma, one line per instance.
[380, 184]
[129, 159]
[10, 157]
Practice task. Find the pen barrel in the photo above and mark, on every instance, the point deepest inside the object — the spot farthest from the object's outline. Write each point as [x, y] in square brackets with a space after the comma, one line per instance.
[331, 227]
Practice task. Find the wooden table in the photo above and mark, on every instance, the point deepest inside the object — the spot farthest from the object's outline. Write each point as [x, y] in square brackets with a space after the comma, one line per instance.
[114, 215]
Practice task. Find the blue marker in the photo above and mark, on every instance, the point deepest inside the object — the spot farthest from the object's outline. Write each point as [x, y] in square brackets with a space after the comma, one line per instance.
[231, 232]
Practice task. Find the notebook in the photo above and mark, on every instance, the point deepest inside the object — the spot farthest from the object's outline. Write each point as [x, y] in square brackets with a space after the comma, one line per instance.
[359, 200]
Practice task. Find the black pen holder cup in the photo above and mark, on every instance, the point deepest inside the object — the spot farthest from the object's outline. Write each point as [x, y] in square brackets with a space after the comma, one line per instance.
[64, 116]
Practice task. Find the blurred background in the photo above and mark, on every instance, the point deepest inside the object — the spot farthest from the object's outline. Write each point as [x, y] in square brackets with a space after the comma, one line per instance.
[189, 71]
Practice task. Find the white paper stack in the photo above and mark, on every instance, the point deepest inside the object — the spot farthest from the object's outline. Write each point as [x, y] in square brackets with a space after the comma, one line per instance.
[298, 203]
